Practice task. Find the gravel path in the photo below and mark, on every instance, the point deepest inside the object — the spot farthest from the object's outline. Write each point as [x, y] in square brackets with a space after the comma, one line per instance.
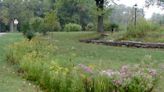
[2, 34]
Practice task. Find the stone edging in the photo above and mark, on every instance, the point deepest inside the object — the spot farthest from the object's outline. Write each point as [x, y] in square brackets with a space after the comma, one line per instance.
[125, 43]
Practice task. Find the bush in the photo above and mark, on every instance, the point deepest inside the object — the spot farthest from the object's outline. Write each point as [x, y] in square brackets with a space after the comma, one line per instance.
[71, 27]
[25, 27]
[107, 26]
[51, 22]
[29, 35]
[31, 57]
[112, 27]
[27, 31]
[90, 27]
[36, 24]
[140, 30]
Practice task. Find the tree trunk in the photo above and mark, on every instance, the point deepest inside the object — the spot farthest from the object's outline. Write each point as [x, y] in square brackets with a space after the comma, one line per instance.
[11, 26]
[100, 26]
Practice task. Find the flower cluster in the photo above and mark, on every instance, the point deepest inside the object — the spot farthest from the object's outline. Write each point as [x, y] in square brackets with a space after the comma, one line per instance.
[127, 78]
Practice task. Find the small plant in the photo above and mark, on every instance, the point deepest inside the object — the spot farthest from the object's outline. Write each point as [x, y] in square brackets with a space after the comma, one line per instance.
[112, 27]
[90, 27]
[139, 30]
[36, 24]
[29, 35]
[71, 27]
[51, 22]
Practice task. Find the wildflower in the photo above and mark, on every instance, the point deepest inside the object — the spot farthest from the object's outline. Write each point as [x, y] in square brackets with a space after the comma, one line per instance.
[152, 72]
[118, 82]
[110, 73]
[86, 69]
[124, 72]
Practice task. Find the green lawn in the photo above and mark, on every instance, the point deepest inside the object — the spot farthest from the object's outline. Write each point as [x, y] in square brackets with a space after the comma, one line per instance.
[69, 46]
[9, 80]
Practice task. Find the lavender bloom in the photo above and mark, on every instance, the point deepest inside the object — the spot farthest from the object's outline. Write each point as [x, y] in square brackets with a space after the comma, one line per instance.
[86, 68]
[118, 82]
[152, 72]
[110, 73]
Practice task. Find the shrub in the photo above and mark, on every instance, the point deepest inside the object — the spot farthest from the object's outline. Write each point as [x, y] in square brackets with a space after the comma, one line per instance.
[90, 27]
[36, 24]
[71, 27]
[27, 31]
[107, 26]
[29, 35]
[25, 27]
[51, 22]
[112, 27]
[37, 64]
[139, 30]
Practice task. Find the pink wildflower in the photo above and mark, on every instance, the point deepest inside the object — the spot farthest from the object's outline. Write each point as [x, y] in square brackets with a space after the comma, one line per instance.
[118, 82]
[86, 68]
[152, 72]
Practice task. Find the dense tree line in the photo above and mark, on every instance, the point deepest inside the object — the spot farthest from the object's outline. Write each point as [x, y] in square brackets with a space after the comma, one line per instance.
[66, 11]
[53, 15]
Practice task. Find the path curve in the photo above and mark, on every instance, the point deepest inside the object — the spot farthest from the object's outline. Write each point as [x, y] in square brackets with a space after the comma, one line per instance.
[2, 34]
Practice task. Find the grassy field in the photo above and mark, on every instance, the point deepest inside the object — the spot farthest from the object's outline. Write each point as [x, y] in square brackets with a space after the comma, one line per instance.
[69, 49]
[9, 80]
[69, 46]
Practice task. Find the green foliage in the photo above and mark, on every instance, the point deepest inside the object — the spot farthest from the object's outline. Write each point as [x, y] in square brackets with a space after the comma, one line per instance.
[8, 72]
[72, 27]
[75, 11]
[139, 30]
[107, 26]
[29, 30]
[112, 27]
[90, 27]
[29, 34]
[36, 24]
[51, 22]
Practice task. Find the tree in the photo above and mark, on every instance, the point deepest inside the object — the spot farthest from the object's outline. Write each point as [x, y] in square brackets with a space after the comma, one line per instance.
[51, 22]
[158, 18]
[100, 8]
[155, 2]
[123, 15]
[74, 11]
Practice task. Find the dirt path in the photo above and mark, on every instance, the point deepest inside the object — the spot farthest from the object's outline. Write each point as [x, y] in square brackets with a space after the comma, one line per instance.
[2, 34]
[9, 80]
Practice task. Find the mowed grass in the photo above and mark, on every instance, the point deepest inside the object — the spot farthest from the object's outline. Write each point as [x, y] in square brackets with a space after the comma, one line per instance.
[69, 48]
[9, 80]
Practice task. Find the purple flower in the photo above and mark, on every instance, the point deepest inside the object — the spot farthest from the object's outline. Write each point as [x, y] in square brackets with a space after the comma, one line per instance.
[86, 68]
[118, 82]
[110, 73]
[152, 72]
